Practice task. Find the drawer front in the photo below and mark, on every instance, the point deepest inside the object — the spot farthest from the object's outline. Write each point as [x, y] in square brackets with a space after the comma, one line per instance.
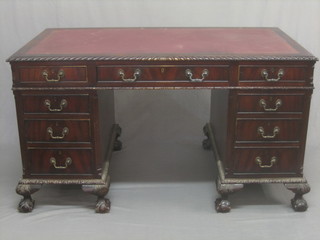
[52, 74]
[270, 103]
[60, 161]
[268, 130]
[57, 130]
[163, 73]
[55, 103]
[266, 161]
[273, 75]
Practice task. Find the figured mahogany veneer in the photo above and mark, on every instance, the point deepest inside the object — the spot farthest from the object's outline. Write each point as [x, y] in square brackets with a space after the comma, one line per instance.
[52, 74]
[52, 130]
[55, 103]
[268, 129]
[292, 75]
[285, 162]
[270, 103]
[79, 165]
[164, 73]
[261, 82]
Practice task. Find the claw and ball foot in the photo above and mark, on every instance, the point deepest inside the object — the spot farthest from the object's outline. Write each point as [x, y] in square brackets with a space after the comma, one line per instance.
[27, 203]
[117, 145]
[222, 205]
[103, 205]
[206, 144]
[298, 203]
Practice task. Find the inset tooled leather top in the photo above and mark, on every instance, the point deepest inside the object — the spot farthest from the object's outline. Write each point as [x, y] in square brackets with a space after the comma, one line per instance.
[162, 43]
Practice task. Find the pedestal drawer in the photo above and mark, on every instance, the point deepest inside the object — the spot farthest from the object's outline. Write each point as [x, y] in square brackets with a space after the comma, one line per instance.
[57, 130]
[271, 103]
[266, 161]
[60, 161]
[285, 129]
[55, 103]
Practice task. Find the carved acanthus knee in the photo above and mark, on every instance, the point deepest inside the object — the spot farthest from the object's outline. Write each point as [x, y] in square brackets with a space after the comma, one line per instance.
[228, 188]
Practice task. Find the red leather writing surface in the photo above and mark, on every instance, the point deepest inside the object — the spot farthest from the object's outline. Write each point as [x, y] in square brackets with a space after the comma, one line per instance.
[162, 42]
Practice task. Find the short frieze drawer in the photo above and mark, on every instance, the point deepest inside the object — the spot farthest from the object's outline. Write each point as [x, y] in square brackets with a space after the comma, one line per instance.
[55, 104]
[130, 74]
[273, 75]
[52, 74]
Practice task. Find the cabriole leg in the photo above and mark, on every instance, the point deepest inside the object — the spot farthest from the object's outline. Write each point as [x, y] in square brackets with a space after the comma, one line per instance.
[27, 203]
[103, 205]
[298, 203]
[224, 189]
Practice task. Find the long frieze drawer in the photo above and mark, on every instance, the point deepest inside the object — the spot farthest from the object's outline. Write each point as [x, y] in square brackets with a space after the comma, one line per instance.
[270, 103]
[59, 161]
[268, 130]
[163, 73]
[52, 74]
[57, 130]
[61, 103]
[274, 75]
[266, 161]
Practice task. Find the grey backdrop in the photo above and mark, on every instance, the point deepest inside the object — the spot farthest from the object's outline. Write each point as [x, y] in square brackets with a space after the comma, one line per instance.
[162, 181]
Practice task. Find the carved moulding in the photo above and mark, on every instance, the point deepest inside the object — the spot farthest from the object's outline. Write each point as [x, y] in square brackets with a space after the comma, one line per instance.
[162, 58]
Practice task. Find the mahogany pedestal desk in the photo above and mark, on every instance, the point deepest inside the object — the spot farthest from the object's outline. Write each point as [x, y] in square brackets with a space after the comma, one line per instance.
[261, 82]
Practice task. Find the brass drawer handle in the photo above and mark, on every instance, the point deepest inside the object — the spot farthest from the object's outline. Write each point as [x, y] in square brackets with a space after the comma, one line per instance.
[264, 74]
[204, 74]
[263, 104]
[60, 75]
[276, 131]
[63, 104]
[136, 75]
[65, 131]
[273, 160]
[53, 162]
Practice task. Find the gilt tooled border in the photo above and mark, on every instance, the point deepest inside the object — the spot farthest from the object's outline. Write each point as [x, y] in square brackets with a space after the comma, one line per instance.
[159, 58]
